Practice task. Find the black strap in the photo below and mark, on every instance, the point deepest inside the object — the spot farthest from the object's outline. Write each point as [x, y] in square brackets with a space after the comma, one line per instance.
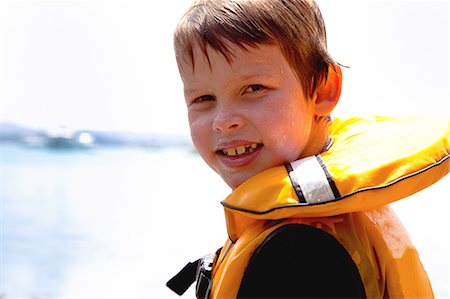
[184, 279]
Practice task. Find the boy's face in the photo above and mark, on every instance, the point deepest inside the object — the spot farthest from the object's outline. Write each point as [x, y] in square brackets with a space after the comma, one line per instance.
[248, 115]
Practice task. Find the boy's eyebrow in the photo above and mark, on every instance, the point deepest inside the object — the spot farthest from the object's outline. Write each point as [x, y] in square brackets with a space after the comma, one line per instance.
[255, 74]
[188, 92]
[255, 70]
[237, 79]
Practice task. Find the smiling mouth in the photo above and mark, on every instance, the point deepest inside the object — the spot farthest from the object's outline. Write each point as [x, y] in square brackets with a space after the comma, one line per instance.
[239, 150]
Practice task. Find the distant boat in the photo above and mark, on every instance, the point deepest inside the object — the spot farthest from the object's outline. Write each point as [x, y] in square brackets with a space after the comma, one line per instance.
[63, 138]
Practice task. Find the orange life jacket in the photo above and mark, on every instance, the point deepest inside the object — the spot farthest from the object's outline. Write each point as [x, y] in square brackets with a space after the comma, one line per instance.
[343, 191]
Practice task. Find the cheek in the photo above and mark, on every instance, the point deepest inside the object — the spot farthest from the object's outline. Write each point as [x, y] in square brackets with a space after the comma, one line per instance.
[200, 134]
[291, 133]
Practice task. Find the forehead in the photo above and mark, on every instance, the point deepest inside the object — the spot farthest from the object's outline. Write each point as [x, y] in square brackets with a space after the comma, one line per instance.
[239, 58]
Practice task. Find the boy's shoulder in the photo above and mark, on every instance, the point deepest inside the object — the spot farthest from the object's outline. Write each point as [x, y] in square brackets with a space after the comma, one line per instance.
[298, 252]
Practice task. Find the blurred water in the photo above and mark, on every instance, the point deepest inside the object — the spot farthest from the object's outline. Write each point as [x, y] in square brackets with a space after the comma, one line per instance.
[118, 223]
[103, 223]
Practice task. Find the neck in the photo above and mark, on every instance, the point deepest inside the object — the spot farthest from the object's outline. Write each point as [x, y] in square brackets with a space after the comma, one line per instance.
[319, 139]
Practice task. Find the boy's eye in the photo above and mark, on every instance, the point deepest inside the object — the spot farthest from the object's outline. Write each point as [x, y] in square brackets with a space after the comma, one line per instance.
[205, 98]
[254, 88]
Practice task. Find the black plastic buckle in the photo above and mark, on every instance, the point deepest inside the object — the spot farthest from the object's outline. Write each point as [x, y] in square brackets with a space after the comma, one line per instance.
[183, 280]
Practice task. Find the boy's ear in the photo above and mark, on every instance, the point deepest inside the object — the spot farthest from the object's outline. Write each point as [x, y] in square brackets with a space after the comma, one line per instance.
[328, 93]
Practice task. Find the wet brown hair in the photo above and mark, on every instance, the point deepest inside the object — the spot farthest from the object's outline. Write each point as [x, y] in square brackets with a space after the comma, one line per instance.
[296, 26]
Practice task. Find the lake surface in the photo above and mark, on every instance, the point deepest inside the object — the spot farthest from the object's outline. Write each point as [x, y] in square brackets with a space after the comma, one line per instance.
[118, 223]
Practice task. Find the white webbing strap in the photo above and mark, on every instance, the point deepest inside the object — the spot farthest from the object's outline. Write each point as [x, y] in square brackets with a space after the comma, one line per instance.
[312, 181]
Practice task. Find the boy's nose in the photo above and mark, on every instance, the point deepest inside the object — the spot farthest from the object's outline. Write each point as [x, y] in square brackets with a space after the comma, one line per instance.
[227, 120]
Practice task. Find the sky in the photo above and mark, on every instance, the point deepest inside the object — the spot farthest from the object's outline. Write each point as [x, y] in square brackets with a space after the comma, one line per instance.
[109, 65]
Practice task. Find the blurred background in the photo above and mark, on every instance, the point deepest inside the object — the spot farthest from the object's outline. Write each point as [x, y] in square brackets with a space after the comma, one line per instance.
[101, 192]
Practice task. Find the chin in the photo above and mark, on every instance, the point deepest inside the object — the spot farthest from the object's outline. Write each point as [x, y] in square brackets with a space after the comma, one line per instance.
[235, 181]
[232, 181]
[233, 184]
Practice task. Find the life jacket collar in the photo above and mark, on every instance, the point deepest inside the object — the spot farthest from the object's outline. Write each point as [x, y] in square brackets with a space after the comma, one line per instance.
[371, 162]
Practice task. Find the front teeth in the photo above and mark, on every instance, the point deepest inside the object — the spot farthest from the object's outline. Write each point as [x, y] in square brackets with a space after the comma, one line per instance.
[233, 151]
[240, 150]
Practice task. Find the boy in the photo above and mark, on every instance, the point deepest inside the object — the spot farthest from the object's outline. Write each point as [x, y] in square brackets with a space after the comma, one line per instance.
[259, 86]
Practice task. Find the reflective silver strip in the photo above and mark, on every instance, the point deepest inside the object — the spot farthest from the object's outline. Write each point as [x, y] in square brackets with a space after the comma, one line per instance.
[312, 180]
